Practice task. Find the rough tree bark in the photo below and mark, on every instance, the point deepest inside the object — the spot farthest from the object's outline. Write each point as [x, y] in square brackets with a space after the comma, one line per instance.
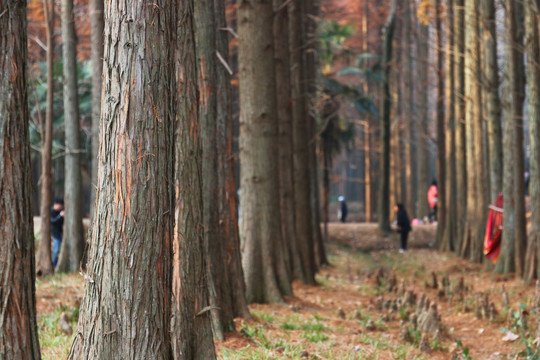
[261, 226]
[284, 113]
[18, 328]
[448, 235]
[514, 236]
[384, 205]
[44, 259]
[96, 33]
[532, 23]
[422, 136]
[302, 186]
[441, 142]
[233, 298]
[190, 323]
[491, 89]
[126, 307]
[459, 113]
[73, 243]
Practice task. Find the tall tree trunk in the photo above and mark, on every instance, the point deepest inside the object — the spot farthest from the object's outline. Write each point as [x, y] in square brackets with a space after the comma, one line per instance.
[126, 307]
[18, 328]
[448, 235]
[233, 296]
[368, 204]
[73, 230]
[459, 112]
[44, 259]
[423, 116]
[532, 23]
[513, 237]
[384, 206]
[284, 113]
[302, 186]
[190, 321]
[261, 226]
[491, 89]
[441, 142]
[96, 33]
[410, 114]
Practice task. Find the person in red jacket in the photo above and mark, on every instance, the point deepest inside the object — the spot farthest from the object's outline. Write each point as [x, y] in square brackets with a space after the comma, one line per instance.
[432, 195]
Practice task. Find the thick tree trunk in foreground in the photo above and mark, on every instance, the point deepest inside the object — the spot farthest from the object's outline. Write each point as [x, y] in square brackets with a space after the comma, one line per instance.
[284, 113]
[301, 174]
[18, 328]
[459, 113]
[96, 33]
[384, 191]
[532, 23]
[422, 46]
[491, 89]
[44, 257]
[441, 142]
[190, 322]
[126, 308]
[73, 242]
[447, 242]
[261, 225]
[513, 237]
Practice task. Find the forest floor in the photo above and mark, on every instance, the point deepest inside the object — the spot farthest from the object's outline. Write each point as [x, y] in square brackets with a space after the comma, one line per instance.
[352, 314]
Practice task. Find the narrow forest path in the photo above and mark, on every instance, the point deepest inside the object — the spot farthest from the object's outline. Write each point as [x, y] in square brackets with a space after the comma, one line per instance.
[350, 316]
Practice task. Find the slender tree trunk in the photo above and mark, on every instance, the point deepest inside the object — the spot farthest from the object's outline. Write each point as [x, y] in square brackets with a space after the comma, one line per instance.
[441, 142]
[532, 23]
[261, 225]
[513, 237]
[44, 259]
[96, 33]
[126, 308]
[18, 328]
[190, 321]
[448, 235]
[284, 112]
[367, 128]
[410, 115]
[491, 89]
[384, 206]
[459, 112]
[73, 230]
[423, 111]
[302, 186]
[234, 295]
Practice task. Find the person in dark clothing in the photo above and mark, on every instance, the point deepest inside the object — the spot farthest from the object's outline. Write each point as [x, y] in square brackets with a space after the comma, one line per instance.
[57, 222]
[403, 225]
[343, 211]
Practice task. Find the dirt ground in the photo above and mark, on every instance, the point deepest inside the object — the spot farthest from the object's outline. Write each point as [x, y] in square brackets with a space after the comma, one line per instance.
[350, 315]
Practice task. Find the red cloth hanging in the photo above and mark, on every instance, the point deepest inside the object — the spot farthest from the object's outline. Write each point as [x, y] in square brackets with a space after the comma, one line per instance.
[492, 239]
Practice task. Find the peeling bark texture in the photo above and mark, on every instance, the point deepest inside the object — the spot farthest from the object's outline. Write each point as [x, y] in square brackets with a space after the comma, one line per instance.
[448, 235]
[96, 33]
[126, 308]
[384, 191]
[491, 89]
[302, 186]
[18, 328]
[73, 231]
[261, 226]
[44, 256]
[532, 23]
[459, 113]
[233, 299]
[284, 112]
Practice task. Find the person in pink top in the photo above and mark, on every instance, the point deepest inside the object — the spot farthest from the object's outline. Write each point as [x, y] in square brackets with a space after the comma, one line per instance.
[432, 195]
